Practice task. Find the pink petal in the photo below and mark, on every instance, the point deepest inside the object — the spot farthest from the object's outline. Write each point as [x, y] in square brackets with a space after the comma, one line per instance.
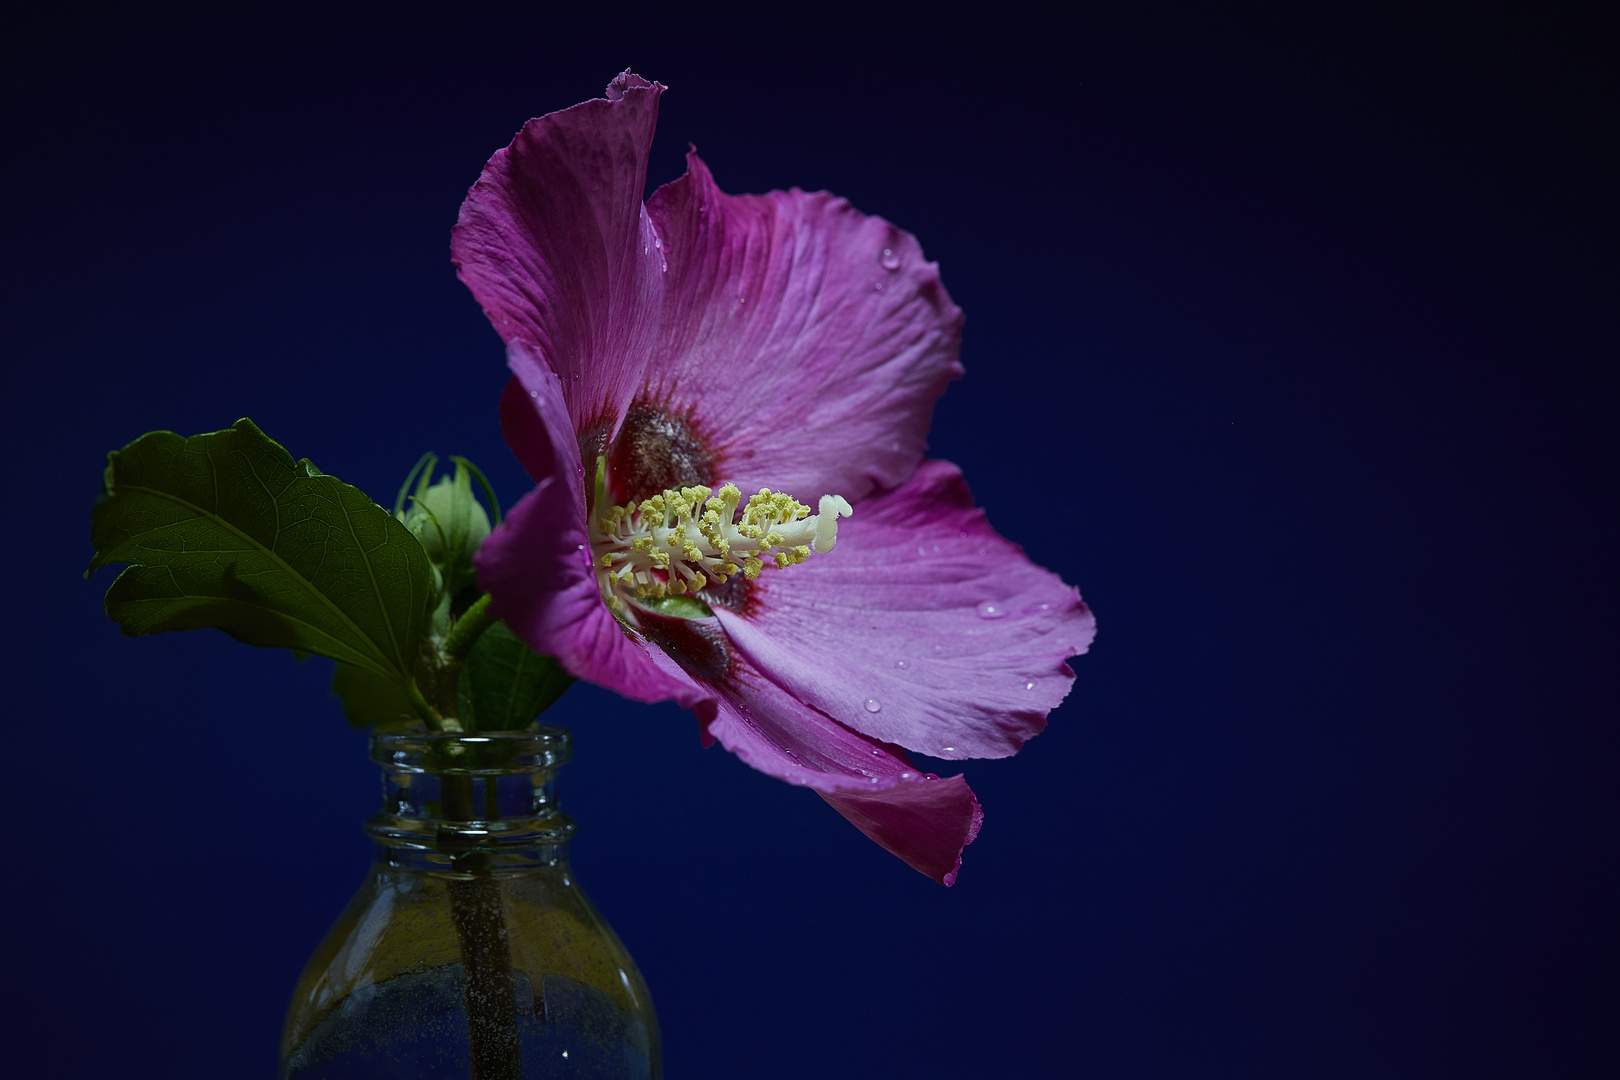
[536, 566]
[554, 242]
[923, 819]
[812, 338]
[921, 823]
[922, 627]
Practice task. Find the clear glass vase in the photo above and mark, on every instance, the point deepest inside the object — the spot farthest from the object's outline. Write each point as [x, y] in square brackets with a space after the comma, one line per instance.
[470, 951]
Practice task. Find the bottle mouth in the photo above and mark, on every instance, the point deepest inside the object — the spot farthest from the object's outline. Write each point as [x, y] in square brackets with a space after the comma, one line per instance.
[454, 801]
[412, 748]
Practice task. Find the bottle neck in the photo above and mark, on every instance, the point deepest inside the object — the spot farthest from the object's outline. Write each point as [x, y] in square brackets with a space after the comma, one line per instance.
[459, 803]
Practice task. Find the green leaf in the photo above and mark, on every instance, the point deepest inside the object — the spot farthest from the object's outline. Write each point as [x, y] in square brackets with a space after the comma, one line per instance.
[226, 530]
[506, 684]
[369, 698]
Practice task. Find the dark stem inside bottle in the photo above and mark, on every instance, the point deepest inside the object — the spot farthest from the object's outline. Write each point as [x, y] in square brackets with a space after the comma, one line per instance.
[493, 1050]
[470, 950]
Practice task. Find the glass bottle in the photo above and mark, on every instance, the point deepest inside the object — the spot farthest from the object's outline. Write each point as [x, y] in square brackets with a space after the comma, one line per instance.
[470, 951]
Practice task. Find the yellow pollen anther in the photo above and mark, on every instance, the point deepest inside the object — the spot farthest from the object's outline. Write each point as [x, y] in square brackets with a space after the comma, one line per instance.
[680, 541]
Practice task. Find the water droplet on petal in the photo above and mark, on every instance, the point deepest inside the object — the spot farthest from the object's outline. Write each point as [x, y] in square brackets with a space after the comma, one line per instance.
[890, 260]
[657, 243]
[948, 749]
[534, 393]
[990, 610]
[872, 705]
[901, 664]
[1029, 686]
[877, 753]
[905, 776]
[878, 286]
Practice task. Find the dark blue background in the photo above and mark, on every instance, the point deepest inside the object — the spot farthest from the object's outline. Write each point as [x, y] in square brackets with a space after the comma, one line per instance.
[1289, 340]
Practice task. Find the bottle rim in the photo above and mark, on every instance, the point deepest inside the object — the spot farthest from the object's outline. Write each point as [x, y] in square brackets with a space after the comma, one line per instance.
[413, 749]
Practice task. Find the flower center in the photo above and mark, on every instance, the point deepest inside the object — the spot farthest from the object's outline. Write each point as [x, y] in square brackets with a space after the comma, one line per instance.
[678, 542]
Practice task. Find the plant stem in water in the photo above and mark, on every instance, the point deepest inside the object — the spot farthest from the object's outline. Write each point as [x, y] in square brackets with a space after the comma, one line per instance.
[486, 960]
[486, 956]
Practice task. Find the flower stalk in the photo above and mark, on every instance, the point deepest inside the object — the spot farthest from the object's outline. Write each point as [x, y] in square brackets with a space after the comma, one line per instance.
[475, 899]
[486, 956]
[486, 960]
[467, 629]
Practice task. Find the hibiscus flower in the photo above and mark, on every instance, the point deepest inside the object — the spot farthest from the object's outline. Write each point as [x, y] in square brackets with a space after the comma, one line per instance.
[668, 357]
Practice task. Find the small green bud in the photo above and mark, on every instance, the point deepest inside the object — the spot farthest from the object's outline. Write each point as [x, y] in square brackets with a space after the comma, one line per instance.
[450, 524]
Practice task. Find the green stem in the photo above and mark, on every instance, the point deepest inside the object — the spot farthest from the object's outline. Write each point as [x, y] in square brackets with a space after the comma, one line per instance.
[473, 622]
[486, 963]
[486, 954]
[429, 715]
[475, 901]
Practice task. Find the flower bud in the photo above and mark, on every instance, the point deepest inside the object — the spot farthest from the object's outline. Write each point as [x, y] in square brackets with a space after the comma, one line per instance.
[450, 524]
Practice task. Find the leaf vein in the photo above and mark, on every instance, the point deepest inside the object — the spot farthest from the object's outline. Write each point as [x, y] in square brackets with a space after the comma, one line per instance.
[282, 563]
